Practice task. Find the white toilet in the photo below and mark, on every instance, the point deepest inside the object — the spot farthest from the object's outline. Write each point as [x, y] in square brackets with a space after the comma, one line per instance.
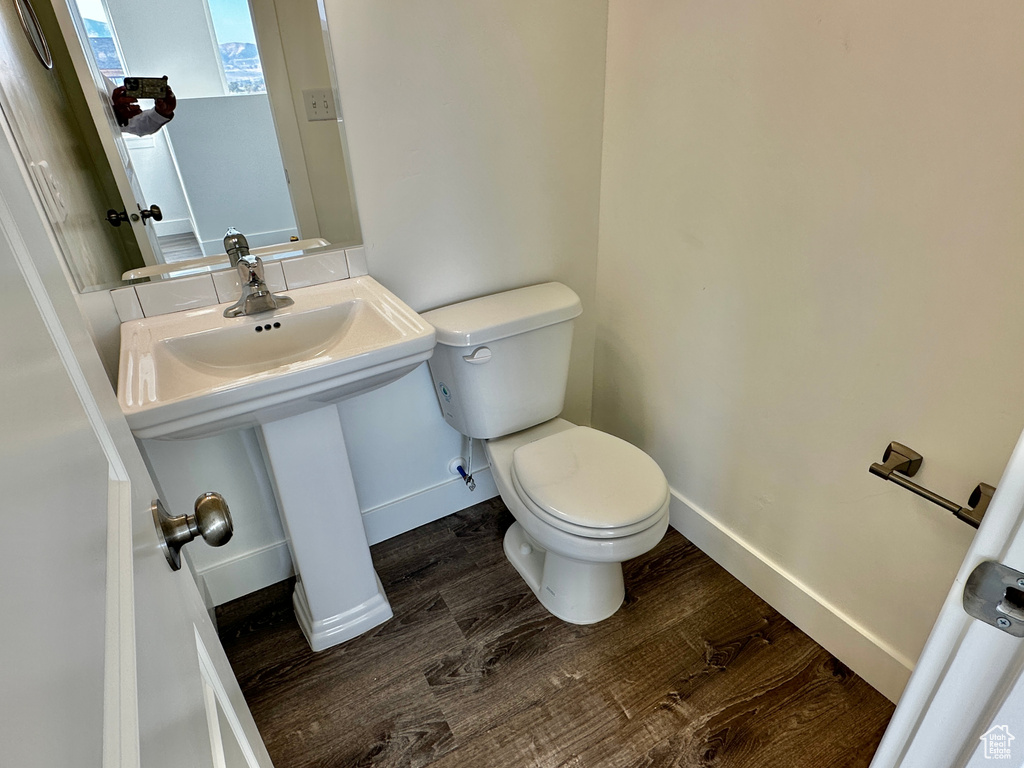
[584, 501]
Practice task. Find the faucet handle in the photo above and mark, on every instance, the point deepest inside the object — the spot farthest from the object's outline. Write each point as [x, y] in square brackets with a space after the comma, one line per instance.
[250, 271]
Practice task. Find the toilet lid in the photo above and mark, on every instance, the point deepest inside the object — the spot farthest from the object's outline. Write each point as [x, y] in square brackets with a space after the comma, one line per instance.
[590, 478]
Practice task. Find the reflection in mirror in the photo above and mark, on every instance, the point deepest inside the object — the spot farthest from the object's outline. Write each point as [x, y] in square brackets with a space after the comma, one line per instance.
[253, 142]
[183, 267]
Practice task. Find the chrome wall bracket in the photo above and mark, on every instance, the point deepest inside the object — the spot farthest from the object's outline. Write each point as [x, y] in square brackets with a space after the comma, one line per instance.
[900, 462]
[994, 594]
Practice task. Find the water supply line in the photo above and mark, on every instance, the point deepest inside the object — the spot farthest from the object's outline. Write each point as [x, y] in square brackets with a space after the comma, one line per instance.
[468, 478]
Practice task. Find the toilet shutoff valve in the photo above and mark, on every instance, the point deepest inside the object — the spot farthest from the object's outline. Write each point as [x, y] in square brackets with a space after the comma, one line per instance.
[457, 467]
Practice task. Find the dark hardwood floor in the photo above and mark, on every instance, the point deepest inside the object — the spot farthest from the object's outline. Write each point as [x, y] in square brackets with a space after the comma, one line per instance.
[694, 670]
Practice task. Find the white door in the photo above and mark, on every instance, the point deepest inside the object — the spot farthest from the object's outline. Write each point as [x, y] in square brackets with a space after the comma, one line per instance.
[109, 656]
[94, 86]
[964, 704]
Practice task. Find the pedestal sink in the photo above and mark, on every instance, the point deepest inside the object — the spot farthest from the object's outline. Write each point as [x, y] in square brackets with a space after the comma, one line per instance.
[196, 373]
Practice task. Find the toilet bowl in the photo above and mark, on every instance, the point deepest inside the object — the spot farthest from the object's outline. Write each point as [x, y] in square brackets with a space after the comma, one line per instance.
[584, 501]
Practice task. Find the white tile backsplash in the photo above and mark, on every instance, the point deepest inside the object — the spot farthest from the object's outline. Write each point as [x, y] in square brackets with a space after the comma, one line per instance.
[165, 296]
[314, 269]
[356, 258]
[181, 293]
[126, 302]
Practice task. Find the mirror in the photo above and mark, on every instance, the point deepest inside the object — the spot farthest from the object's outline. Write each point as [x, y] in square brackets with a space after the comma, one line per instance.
[36, 38]
[255, 142]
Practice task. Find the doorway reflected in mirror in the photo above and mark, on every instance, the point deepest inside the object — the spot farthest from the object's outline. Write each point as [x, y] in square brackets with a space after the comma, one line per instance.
[240, 150]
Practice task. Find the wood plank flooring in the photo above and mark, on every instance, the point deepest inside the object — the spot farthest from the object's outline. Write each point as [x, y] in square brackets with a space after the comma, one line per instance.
[180, 247]
[694, 670]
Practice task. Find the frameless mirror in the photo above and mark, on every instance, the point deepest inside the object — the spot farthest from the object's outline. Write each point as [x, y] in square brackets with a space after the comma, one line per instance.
[256, 140]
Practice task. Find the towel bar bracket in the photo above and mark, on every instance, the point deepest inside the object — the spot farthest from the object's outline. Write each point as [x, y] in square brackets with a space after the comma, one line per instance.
[900, 462]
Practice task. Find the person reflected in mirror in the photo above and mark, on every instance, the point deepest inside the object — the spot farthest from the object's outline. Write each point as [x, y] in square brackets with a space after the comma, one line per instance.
[134, 119]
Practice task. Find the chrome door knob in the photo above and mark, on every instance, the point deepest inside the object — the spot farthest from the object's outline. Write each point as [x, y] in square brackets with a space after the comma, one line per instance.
[211, 520]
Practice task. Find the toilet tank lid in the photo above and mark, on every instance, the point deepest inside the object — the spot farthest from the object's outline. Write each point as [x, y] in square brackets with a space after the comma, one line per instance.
[489, 318]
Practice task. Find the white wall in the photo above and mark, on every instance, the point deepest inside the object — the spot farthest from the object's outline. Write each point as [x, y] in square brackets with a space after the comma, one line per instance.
[230, 164]
[810, 246]
[154, 167]
[475, 139]
[175, 39]
[294, 29]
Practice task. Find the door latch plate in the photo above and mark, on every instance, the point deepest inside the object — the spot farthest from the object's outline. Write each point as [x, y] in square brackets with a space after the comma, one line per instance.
[994, 594]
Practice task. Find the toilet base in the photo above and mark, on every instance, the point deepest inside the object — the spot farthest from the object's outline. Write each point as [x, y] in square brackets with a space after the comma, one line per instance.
[573, 590]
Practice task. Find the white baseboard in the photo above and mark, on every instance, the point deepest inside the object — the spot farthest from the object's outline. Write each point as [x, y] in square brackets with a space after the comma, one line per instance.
[172, 227]
[425, 506]
[246, 573]
[255, 570]
[884, 668]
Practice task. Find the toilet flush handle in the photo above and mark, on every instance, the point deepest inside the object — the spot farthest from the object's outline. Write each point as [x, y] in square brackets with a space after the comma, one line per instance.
[478, 356]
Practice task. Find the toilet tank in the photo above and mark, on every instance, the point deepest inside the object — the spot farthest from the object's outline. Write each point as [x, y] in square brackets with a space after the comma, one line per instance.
[502, 361]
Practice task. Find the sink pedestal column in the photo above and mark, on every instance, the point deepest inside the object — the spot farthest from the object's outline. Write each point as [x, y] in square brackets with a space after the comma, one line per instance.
[338, 595]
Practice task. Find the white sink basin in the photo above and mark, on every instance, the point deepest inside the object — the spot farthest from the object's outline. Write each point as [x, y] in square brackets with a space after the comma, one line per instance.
[195, 373]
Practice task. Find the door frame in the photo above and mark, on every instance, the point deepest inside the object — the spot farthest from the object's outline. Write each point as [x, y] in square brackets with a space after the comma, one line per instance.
[102, 115]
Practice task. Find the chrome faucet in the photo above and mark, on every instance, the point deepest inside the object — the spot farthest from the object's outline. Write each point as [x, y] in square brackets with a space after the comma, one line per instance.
[236, 245]
[256, 297]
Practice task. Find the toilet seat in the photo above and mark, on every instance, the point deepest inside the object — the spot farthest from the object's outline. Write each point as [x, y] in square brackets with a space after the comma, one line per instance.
[590, 483]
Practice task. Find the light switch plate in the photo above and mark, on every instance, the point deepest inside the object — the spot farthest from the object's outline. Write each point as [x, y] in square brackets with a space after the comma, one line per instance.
[320, 104]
